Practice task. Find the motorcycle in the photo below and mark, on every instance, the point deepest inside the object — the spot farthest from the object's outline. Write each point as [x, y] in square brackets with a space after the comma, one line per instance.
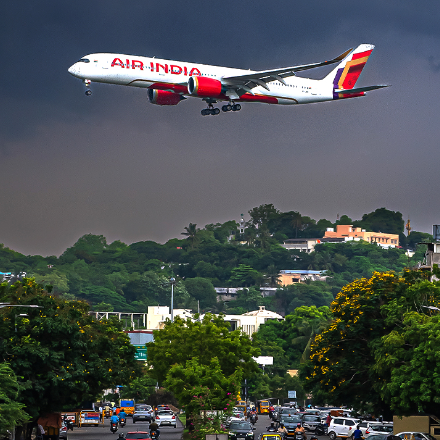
[300, 436]
[69, 424]
[154, 435]
[113, 427]
[122, 422]
[253, 418]
[321, 429]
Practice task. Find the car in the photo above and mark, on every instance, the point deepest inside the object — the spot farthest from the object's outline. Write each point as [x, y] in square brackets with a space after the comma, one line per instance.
[342, 427]
[138, 435]
[63, 431]
[413, 435]
[270, 436]
[142, 413]
[284, 411]
[166, 418]
[378, 437]
[377, 428]
[241, 430]
[310, 422]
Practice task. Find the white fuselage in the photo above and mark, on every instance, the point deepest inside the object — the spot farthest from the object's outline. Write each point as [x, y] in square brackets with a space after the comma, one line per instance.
[137, 71]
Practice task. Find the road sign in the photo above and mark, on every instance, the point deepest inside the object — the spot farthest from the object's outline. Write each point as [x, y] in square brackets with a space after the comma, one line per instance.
[291, 394]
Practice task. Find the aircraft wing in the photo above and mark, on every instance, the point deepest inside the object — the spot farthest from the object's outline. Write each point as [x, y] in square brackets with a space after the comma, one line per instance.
[246, 82]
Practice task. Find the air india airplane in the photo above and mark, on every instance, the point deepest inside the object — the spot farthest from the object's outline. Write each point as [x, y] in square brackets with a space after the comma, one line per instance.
[169, 82]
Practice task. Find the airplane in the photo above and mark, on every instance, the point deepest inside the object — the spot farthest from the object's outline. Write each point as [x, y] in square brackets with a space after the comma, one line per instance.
[169, 82]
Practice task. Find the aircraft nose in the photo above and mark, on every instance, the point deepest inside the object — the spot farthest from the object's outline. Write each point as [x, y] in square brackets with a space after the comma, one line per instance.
[73, 70]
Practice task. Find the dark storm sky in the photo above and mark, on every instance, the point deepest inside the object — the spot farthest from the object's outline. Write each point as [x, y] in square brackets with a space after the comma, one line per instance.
[113, 164]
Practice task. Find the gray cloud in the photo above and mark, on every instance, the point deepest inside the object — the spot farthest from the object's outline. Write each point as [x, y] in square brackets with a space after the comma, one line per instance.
[116, 165]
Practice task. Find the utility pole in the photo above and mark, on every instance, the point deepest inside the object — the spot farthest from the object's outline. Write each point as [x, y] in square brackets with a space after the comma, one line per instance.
[172, 282]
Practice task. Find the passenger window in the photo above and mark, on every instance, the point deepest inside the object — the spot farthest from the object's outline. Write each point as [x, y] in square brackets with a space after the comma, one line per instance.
[338, 421]
[349, 422]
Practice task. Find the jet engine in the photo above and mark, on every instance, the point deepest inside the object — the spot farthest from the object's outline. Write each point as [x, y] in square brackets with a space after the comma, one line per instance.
[204, 87]
[164, 97]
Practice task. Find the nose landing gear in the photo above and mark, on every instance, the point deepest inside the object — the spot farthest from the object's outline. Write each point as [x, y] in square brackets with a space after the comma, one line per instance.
[87, 83]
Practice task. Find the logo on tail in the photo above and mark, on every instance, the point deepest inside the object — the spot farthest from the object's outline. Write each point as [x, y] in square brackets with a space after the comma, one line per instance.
[348, 71]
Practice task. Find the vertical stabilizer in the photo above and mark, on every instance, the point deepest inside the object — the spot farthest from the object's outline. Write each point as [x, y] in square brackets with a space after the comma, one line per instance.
[345, 75]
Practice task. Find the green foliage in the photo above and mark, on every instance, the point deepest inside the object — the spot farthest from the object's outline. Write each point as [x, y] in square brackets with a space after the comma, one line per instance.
[12, 412]
[195, 381]
[139, 389]
[62, 353]
[201, 289]
[131, 278]
[383, 220]
[381, 346]
[181, 341]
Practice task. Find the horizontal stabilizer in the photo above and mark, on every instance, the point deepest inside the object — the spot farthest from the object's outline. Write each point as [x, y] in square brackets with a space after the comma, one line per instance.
[359, 89]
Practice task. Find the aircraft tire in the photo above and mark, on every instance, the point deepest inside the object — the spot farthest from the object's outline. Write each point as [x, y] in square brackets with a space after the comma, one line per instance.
[215, 111]
[88, 92]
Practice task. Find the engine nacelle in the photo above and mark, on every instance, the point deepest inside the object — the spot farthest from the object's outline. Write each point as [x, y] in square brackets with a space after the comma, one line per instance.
[164, 97]
[204, 87]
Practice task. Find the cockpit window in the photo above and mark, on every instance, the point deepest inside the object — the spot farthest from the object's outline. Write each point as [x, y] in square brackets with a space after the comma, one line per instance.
[84, 60]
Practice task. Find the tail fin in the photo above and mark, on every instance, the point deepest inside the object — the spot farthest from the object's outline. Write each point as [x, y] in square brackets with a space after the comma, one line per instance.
[345, 75]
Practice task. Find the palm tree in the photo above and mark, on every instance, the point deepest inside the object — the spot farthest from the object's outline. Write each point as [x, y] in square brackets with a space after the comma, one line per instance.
[191, 233]
[272, 276]
[309, 329]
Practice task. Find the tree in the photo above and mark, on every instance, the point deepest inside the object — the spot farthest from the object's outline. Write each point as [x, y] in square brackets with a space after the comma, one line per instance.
[139, 389]
[245, 275]
[12, 412]
[261, 215]
[202, 290]
[182, 340]
[195, 381]
[380, 349]
[191, 234]
[383, 220]
[63, 354]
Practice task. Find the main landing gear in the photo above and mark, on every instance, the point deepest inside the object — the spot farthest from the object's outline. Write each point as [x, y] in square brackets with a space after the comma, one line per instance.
[233, 107]
[211, 110]
[87, 83]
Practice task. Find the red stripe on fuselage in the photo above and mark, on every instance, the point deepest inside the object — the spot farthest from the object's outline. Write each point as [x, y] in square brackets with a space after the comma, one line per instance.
[247, 97]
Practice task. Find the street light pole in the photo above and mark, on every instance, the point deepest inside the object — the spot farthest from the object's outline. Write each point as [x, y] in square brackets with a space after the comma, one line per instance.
[172, 281]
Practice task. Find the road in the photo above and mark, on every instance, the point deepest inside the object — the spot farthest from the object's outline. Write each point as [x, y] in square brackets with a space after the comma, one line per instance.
[103, 432]
[166, 433]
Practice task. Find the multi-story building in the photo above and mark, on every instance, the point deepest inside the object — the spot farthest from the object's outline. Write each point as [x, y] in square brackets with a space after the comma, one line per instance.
[348, 233]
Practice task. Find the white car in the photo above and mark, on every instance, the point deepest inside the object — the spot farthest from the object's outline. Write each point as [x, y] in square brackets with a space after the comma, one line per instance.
[342, 427]
[413, 435]
[166, 418]
[375, 428]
